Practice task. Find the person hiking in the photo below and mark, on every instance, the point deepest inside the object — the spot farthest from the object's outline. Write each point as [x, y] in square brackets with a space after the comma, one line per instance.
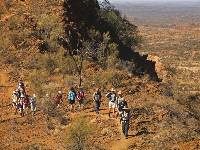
[97, 100]
[33, 104]
[21, 104]
[21, 93]
[20, 107]
[121, 103]
[80, 98]
[15, 101]
[125, 117]
[112, 101]
[26, 104]
[71, 98]
[21, 86]
[58, 99]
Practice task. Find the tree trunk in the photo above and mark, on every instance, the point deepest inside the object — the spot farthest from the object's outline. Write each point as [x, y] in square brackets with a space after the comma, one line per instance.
[80, 78]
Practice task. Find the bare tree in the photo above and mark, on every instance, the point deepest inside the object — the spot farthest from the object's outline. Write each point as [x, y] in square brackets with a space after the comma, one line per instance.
[78, 58]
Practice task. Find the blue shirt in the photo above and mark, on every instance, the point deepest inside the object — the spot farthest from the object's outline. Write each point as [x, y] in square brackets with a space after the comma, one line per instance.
[71, 96]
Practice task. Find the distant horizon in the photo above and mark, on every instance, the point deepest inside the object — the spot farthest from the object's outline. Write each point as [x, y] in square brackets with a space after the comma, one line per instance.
[151, 0]
[162, 12]
[148, 1]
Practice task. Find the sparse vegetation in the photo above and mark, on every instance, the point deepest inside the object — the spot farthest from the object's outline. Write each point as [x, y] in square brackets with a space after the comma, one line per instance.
[78, 135]
[52, 47]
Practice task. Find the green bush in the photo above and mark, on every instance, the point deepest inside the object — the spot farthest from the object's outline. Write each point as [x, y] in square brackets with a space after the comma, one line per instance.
[113, 56]
[46, 62]
[78, 134]
[120, 29]
[52, 28]
[38, 80]
[8, 4]
[65, 63]
[4, 43]
[110, 77]
[15, 22]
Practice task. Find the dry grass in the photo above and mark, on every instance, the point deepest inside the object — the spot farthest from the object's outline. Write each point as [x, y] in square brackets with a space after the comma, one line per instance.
[179, 48]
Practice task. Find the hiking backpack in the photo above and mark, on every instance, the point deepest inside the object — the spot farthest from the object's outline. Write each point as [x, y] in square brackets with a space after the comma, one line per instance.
[122, 105]
[112, 97]
[71, 96]
[81, 95]
[125, 116]
[97, 96]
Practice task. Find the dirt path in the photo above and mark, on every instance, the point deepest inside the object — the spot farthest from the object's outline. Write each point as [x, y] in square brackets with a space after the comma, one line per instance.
[10, 123]
[121, 143]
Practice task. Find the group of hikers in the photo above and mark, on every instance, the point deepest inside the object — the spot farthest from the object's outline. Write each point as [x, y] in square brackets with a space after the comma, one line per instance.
[117, 105]
[22, 101]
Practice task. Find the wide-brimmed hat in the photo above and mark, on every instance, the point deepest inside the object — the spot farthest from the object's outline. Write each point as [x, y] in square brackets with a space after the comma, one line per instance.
[112, 90]
[60, 92]
[119, 93]
[125, 108]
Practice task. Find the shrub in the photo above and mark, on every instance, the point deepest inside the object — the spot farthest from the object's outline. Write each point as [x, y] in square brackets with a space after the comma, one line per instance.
[46, 62]
[109, 78]
[2, 10]
[70, 81]
[15, 22]
[78, 134]
[167, 89]
[100, 29]
[8, 4]
[113, 57]
[64, 63]
[50, 29]
[38, 79]
[49, 108]
[17, 39]
[34, 147]
[121, 30]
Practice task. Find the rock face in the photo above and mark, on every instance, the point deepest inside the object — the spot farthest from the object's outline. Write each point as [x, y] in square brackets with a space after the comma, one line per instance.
[159, 67]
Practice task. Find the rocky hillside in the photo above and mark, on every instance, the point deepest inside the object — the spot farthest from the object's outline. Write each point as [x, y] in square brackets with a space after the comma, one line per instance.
[53, 28]
[52, 46]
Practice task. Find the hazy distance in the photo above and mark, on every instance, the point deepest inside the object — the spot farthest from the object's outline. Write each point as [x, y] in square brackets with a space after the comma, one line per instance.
[160, 12]
[160, 1]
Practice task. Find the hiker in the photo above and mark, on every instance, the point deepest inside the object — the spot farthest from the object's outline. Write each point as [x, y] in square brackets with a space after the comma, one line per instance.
[112, 101]
[47, 97]
[15, 101]
[26, 104]
[121, 103]
[22, 94]
[125, 117]
[21, 86]
[33, 104]
[80, 98]
[58, 99]
[97, 100]
[71, 98]
[21, 104]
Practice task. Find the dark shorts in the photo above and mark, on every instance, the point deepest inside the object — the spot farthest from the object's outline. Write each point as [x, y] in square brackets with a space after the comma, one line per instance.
[19, 106]
[81, 101]
[97, 104]
[71, 102]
